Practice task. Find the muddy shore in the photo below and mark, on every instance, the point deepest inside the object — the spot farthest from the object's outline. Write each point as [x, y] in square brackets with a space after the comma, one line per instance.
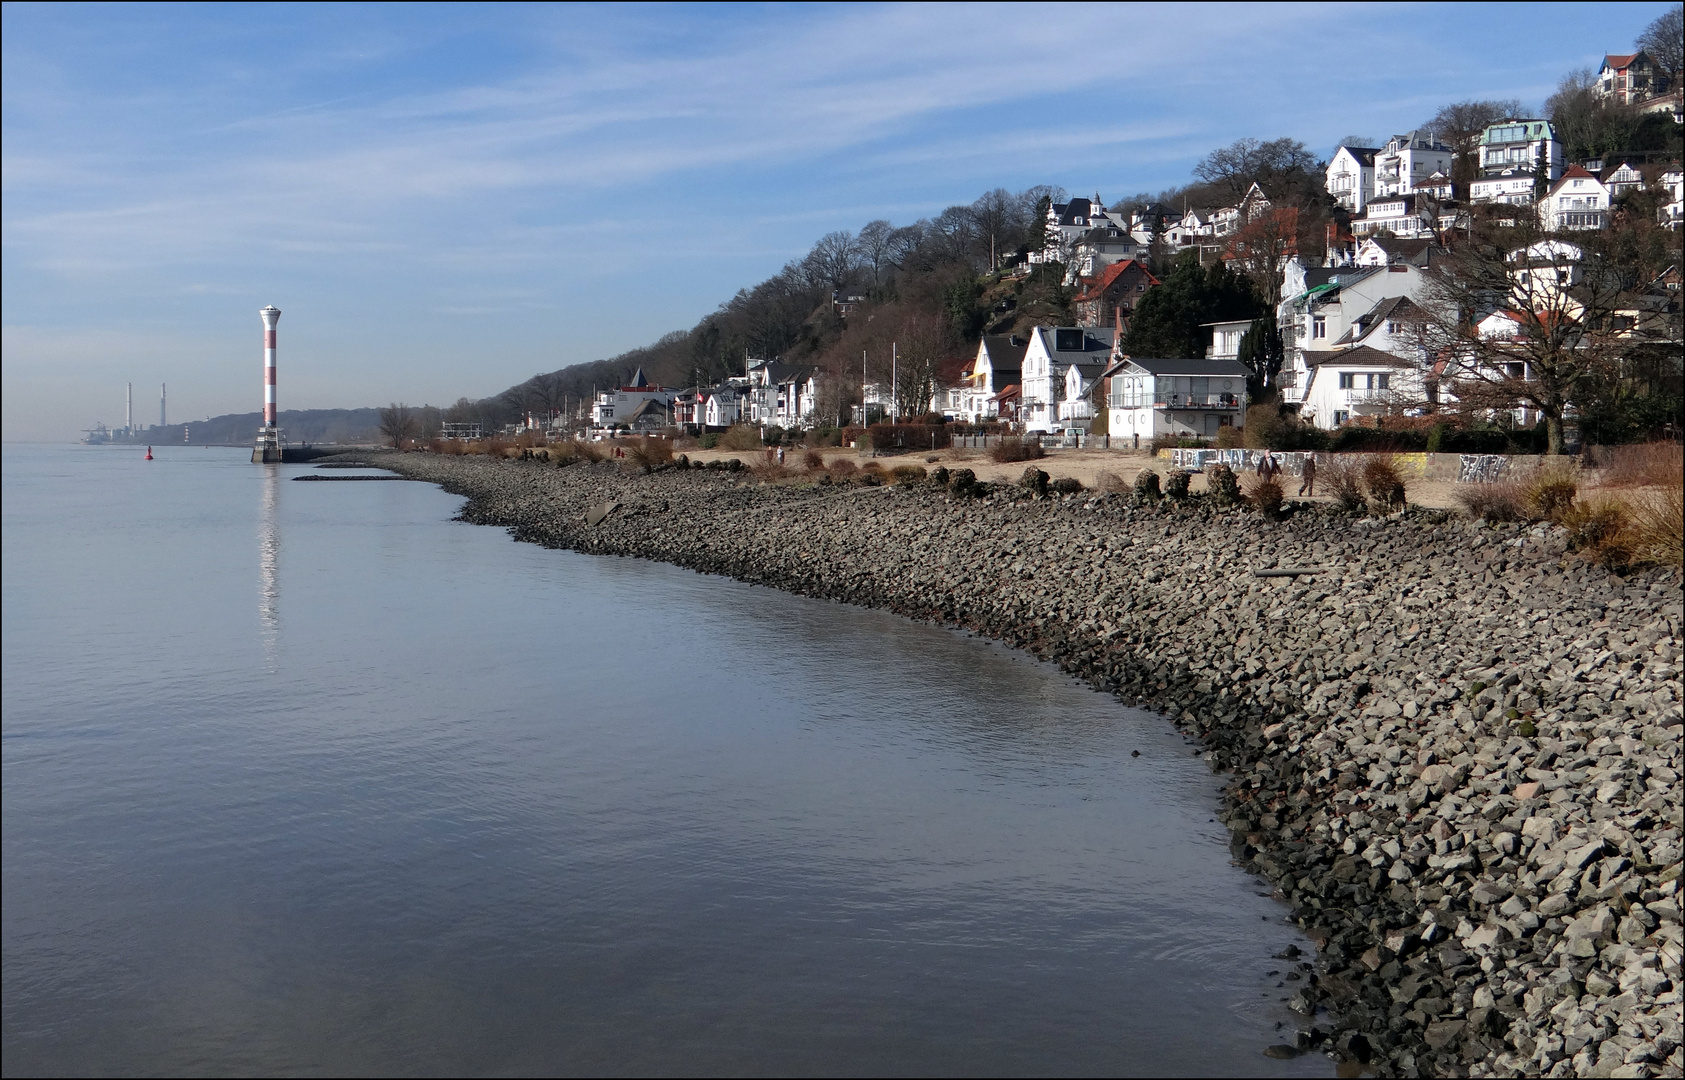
[1454, 749]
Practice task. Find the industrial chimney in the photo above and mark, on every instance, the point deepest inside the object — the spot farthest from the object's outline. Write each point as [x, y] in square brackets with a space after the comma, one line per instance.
[128, 409]
[163, 405]
[268, 447]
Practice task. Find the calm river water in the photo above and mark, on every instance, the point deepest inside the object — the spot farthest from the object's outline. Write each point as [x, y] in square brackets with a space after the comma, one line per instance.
[308, 778]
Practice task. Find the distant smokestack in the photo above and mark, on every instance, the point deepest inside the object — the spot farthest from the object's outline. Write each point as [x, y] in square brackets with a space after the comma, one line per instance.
[163, 405]
[129, 406]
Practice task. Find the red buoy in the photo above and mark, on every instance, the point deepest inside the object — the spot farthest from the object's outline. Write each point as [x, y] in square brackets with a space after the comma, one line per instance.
[149, 453]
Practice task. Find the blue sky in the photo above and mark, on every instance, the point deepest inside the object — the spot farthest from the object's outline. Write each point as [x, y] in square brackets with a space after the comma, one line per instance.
[444, 200]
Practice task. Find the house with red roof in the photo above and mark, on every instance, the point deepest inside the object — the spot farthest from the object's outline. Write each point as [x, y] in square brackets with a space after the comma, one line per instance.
[1109, 298]
[1629, 78]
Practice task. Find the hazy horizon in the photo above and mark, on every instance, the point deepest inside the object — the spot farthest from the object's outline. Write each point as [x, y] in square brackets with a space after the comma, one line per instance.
[445, 200]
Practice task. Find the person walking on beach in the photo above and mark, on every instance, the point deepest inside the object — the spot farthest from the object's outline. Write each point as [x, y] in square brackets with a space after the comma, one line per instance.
[1307, 485]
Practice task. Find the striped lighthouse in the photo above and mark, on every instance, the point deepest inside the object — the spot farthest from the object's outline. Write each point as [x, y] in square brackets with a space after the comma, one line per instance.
[268, 448]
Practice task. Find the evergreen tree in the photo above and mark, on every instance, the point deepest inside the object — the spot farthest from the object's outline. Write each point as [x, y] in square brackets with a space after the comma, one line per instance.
[1261, 351]
[1167, 322]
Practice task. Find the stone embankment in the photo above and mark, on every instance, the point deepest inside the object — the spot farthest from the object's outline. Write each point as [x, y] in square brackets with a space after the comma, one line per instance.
[1455, 750]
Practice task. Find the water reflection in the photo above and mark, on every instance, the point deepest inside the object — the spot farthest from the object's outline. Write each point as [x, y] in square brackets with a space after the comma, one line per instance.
[268, 558]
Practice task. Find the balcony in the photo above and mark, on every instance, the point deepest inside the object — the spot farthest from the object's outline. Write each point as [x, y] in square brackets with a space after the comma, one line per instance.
[1366, 395]
[1198, 401]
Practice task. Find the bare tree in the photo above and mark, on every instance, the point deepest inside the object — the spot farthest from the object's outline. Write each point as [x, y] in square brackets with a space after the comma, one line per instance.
[1663, 39]
[1236, 167]
[1557, 326]
[1261, 247]
[834, 261]
[876, 248]
[397, 423]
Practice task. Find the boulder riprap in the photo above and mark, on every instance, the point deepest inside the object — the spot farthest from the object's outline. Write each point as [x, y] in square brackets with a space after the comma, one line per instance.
[1454, 749]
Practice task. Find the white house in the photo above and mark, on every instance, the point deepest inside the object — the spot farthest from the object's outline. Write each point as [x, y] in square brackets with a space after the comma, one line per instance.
[1364, 381]
[999, 364]
[1351, 176]
[1576, 202]
[1050, 351]
[1331, 301]
[1672, 215]
[782, 394]
[615, 407]
[1406, 163]
[1225, 338]
[1076, 407]
[1510, 151]
[1388, 250]
[1195, 398]
[723, 405]
[1408, 216]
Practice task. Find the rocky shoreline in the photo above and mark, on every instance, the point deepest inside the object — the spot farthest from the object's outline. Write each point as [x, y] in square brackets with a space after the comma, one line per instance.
[1455, 750]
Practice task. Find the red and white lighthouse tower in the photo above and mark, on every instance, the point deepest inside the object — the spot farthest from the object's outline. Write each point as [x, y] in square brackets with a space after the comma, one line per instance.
[268, 447]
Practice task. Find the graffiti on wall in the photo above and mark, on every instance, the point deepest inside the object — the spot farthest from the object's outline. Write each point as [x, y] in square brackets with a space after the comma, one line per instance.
[1481, 468]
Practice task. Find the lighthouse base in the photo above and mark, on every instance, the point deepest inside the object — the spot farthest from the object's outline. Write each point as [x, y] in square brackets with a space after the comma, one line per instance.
[268, 448]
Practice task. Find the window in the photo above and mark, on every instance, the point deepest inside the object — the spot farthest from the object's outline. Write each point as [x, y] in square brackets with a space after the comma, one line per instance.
[1340, 417]
[1383, 382]
[1347, 380]
[1319, 326]
[1392, 328]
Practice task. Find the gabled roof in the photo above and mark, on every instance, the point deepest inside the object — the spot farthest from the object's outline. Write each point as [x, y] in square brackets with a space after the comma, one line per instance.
[1574, 172]
[638, 380]
[1004, 352]
[1110, 274]
[1231, 368]
[1365, 155]
[1362, 356]
[1393, 307]
[1621, 60]
[1407, 248]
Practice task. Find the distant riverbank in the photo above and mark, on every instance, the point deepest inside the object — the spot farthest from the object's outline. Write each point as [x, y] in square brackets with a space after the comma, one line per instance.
[1455, 749]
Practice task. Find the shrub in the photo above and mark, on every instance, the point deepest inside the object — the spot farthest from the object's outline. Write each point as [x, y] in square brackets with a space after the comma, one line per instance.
[1500, 501]
[908, 475]
[1376, 441]
[1342, 479]
[1549, 492]
[649, 453]
[963, 483]
[1067, 485]
[1146, 486]
[1177, 442]
[825, 436]
[740, 437]
[872, 474]
[842, 468]
[1112, 482]
[1176, 483]
[1035, 480]
[772, 436]
[813, 461]
[1266, 495]
[939, 476]
[495, 447]
[1016, 449]
[1599, 528]
[1231, 437]
[1383, 485]
[1224, 487]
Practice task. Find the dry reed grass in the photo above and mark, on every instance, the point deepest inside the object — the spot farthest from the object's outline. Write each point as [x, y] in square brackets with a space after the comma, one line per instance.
[1657, 464]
